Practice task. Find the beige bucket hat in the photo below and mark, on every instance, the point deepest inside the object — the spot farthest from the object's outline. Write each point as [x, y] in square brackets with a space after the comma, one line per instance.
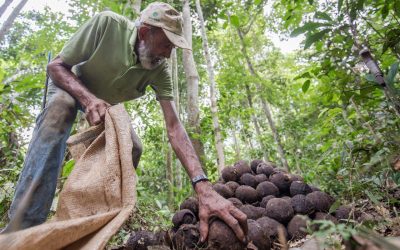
[166, 17]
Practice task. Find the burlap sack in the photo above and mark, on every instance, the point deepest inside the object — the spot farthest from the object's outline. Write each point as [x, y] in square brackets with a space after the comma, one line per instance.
[98, 196]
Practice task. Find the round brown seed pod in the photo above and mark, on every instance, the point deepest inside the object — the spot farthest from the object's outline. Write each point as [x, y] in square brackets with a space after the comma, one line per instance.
[267, 188]
[323, 216]
[265, 168]
[246, 194]
[265, 200]
[261, 178]
[187, 237]
[242, 167]
[258, 236]
[229, 174]
[301, 205]
[236, 202]
[296, 177]
[223, 190]
[299, 187]
[297, 227]
[254, 164]
[280, 210]
[314, 188]
[252, 212]
[282, 181]
[184, 216]
[232, 185]
[221, 237]
[287, 198]
[320, 200]
[270, 227]
[342, 213]
[249, 180]
[141, 240]
[192, 204]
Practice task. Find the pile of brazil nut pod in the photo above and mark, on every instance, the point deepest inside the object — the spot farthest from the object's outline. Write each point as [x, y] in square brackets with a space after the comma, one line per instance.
[277, 204]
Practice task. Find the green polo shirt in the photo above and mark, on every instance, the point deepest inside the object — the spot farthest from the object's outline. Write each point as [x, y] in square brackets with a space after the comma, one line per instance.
[102, 51]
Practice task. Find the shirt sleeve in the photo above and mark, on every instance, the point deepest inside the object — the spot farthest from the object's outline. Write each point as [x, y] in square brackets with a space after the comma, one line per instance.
[84, 42]
[163, 84]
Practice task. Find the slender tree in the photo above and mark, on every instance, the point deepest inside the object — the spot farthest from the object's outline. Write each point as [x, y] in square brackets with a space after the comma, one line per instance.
[192, 79]
[265, 105]
[4, 6]
[214, 108]
[174, 75]
[135, 4]
[10, 20]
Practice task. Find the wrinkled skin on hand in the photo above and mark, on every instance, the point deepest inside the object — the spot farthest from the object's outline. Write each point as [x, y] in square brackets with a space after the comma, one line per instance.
[95, 111]
[213, 204]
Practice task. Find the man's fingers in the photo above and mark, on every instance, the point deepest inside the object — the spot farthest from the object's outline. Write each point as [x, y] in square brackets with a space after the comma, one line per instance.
[242, 219]
[203, 229]
[95, 118]
[102, 112]
[235, 225]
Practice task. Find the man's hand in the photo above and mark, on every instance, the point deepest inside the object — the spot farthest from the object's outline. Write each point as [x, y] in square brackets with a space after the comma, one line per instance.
[212, 204]
[95, 110]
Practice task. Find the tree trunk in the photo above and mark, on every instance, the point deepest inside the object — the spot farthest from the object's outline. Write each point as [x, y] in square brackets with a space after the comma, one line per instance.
[4, 6]
[237, 146]
[10, 20]
[275, 133]
[214, 108]
[192, 78]
[265, 105]
[256, 125]
[170, 176]
[174, 75]
[135, 4]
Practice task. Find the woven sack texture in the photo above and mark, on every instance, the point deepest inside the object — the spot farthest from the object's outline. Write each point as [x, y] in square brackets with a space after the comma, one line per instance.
[98, 196]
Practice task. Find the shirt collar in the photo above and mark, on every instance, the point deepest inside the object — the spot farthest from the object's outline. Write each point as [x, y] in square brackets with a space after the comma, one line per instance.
[132, 41]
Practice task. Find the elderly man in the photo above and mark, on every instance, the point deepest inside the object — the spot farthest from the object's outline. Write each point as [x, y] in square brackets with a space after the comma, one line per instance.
[107, 61]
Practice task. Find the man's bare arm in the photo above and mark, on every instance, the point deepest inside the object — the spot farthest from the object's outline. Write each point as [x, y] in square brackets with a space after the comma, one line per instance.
[210, 202]
[62, 76]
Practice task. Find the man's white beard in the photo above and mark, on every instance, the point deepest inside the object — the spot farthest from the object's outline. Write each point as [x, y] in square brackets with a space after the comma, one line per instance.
[147, 60]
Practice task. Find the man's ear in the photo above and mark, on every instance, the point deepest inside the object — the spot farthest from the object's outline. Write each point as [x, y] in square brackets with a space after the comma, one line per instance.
[143, 32]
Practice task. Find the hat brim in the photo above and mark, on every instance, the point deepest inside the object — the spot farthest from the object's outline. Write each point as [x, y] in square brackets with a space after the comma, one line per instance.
[177, 40]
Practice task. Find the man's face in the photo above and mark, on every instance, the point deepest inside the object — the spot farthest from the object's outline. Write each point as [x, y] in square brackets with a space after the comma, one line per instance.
[154, 47]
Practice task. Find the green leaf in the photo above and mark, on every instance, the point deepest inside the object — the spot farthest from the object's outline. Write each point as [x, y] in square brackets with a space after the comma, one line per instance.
[372, 197]
[323, 112]
[334, 206]
[257, 2]
[159, 204]
[235, 20]
[312, 38]
[304, 75]
[394, 68]
[67, 169]
[323, 15]
[308, 27]
[306, 86]
[370, 78]
[340, 4]
[225, 25]
[311, 2]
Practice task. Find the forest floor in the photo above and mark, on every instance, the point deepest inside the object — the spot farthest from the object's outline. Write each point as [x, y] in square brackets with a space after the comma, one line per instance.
[382, 218]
